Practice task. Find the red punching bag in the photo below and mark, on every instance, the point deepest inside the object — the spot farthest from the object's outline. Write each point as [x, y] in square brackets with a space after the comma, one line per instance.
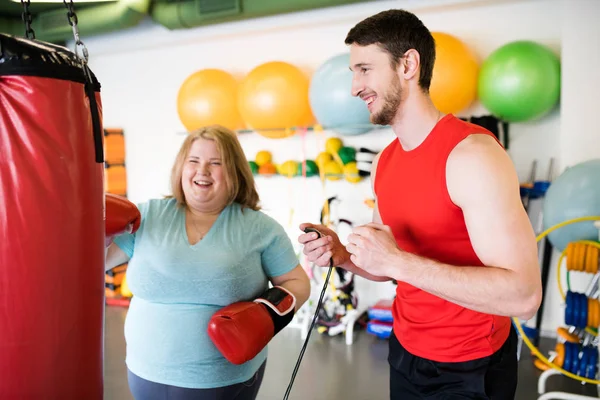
[51, 224]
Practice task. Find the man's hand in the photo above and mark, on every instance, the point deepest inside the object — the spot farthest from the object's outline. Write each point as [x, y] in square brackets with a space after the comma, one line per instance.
[372, 247]
[320, 250]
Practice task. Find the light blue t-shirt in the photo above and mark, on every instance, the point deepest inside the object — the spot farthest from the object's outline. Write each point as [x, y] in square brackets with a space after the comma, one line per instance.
[177, 287]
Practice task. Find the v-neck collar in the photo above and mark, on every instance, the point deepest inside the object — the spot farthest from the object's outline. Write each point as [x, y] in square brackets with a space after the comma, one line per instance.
[208, 235]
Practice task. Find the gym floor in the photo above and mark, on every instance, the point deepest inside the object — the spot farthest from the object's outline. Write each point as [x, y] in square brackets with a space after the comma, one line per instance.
[329, 370]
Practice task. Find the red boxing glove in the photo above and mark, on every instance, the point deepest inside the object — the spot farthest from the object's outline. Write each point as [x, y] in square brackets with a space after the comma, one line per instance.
[241, 330]
[121, 216]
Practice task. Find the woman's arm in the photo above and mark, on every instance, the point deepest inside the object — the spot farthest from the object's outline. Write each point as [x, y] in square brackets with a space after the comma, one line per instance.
[297, 282]
[114, 257]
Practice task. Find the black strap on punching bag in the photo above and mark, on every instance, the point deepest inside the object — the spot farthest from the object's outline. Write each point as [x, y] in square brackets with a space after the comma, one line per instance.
[90, 88]
[90, 91]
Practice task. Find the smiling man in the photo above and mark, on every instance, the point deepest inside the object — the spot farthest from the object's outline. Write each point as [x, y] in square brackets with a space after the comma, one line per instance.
[448, 226]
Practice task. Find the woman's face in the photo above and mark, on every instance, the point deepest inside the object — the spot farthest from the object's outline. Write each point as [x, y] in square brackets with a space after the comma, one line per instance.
[203, 177]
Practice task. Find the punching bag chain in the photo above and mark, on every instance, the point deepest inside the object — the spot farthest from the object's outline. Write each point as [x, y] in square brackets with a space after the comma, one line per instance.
[72, 18]
[27, 19]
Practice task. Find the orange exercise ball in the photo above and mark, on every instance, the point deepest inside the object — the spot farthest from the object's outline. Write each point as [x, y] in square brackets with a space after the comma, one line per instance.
[273, 98]
[455, 74]
[208, 97]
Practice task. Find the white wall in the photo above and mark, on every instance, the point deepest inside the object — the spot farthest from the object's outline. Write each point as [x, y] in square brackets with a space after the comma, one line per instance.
[140, 96]
[580, 82]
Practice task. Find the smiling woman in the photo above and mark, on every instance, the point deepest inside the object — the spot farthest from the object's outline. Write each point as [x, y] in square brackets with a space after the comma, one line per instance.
[198, 254]
[200, 183]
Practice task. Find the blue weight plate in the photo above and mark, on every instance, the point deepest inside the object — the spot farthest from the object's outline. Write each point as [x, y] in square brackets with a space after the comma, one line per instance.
[579, 311]
[569, 309]
[575, 359]
[582, 323]
[584, 310]
[588, 356]
[573, 309]
[568, 351]
[575, 316]
[583, 362]
[592, 367]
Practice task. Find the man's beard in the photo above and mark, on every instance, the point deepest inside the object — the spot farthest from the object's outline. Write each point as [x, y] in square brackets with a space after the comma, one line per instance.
[391, 102]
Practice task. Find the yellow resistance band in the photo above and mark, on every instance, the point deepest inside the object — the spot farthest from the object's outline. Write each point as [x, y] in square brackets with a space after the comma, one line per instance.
[534, 349]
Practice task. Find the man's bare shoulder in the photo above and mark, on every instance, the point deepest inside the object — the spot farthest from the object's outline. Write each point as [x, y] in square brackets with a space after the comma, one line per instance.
[477, 163]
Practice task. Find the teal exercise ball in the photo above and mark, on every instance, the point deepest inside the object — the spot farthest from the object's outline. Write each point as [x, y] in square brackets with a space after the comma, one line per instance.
[331, 100]
[575, 193]
[520, 81]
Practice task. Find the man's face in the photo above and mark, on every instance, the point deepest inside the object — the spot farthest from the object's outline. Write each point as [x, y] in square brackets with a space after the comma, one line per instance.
[375, 82]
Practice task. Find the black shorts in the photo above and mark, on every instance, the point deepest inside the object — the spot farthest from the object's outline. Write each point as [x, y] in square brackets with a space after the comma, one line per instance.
[494, 377]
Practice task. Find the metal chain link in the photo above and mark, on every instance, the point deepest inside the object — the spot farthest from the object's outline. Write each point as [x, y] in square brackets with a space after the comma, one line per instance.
[27, 19]
[72, 18]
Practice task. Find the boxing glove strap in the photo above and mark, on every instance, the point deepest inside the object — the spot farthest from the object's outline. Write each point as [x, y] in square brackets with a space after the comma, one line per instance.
[281, 305]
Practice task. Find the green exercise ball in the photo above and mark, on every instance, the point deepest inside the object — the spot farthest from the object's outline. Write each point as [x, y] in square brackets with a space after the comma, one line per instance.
[520, 81]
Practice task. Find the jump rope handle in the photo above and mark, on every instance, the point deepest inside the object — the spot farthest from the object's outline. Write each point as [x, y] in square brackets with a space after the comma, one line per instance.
[312, 325]
[308, 230]
[319, 235]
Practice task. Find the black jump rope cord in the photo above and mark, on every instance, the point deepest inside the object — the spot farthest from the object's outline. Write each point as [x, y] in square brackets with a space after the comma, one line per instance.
[312, 325]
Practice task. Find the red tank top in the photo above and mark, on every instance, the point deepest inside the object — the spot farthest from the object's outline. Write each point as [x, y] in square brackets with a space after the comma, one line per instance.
[413, 200]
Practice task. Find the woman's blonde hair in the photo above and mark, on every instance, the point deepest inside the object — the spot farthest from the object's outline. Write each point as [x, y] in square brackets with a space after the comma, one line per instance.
[238, 175]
